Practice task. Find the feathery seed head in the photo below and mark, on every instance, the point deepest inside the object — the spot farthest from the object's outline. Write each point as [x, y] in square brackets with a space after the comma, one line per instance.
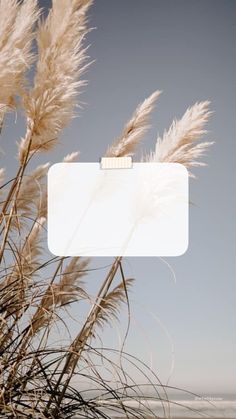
[135, 129]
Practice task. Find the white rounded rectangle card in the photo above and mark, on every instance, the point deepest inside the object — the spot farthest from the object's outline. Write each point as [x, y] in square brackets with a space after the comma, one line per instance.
[105, 210]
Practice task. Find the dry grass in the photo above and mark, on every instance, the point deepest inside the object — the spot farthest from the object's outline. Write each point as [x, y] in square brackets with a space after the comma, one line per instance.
[180, 144]
[35, 374]
[16, 35]
[61, 62]
[135, 129]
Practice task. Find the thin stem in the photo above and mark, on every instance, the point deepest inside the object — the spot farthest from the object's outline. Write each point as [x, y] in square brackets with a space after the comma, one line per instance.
[16, 185]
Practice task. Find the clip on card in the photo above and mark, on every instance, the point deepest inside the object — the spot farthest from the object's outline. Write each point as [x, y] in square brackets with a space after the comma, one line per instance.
[116, 162]
[138, 212]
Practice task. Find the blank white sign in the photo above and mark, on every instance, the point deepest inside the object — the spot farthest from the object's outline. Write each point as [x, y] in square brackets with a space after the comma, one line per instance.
[140, 211]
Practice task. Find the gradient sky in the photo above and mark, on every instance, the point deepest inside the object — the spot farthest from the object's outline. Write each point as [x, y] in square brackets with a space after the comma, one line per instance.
[187, 49]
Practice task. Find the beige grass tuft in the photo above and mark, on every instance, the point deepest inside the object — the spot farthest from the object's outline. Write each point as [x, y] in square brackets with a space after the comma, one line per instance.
[179, 143]
[135, 129]
[17, 22]
[31, 196]
[70, 288]
[69, 158]
[61, 62]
